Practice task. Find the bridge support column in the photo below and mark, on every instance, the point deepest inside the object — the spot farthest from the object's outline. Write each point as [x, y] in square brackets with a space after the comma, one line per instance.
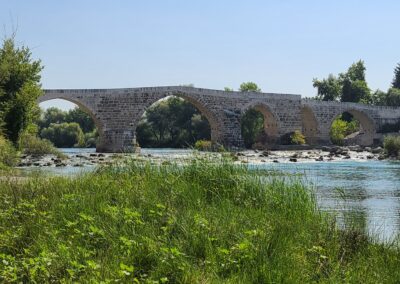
[117, 141]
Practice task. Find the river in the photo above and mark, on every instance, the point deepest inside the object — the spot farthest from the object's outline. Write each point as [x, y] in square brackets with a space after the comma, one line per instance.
[365, 191]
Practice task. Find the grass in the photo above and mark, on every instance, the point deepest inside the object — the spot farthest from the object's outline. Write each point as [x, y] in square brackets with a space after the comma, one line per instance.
[8, 154]
[201, 223]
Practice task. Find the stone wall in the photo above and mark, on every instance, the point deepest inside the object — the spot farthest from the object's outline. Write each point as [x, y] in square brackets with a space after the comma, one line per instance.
[117, 112]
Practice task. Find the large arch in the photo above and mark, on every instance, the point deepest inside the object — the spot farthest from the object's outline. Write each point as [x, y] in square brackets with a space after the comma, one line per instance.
[367, 126]
[271, 121]
[99, 125]
[309, 124]
[203, 108]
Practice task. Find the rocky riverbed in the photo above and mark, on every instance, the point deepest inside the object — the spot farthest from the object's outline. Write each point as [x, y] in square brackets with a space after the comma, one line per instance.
[323, 154]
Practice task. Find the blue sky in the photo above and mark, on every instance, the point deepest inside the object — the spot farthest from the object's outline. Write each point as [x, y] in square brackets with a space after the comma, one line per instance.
[280, 45]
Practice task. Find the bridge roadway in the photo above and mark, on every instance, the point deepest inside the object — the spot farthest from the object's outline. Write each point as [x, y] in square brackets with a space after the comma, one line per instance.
[117, 112]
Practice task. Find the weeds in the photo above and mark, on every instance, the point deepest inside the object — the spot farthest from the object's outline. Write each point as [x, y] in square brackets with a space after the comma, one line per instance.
[205, 222]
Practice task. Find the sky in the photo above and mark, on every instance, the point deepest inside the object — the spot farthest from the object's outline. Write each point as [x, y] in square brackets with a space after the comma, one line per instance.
[279, 44]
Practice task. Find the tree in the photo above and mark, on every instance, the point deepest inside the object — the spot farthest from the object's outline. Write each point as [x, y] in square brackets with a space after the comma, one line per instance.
[393, 97]
[227, 89]
[52, 115]
[252, 125]
[354, 86]
[378, 98]
[64, 135]
[82, 118]
[19, 89]
[249, 87]
[328, 89]
[173, 122]
[396, 79]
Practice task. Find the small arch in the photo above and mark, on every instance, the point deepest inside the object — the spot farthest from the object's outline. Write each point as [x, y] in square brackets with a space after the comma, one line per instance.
[270, 131]
[98, 124]
[309, 125]
[367, 128]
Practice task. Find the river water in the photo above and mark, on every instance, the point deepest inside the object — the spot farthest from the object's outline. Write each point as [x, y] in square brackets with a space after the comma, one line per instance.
[367, 192]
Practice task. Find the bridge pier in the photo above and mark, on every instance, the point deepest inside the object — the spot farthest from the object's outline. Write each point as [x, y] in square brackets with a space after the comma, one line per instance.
[117, 141]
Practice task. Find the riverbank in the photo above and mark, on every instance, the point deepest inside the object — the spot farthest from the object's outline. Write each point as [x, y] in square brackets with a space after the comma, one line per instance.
[206, 222]
[324, 154]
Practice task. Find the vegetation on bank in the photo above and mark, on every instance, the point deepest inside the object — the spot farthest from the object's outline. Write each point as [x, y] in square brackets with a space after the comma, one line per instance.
[201, 223]
[391, 145]
[343, 126]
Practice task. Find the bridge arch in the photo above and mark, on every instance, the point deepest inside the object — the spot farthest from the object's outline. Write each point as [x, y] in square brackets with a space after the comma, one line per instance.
[271, 125]
[310, 128]
[367, 125]
[98, 123]
[203, 108]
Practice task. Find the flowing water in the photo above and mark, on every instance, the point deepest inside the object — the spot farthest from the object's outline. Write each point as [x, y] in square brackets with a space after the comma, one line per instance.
[367, 191]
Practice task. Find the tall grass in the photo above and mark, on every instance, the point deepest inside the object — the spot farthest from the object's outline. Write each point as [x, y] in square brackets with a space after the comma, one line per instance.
[33, 145]
[201, 223]
[8, 154]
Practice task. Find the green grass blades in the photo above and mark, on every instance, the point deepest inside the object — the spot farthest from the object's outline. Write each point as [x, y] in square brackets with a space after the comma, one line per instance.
[206, 222]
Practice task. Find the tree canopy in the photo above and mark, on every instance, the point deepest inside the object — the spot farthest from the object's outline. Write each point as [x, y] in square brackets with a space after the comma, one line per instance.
[396, 79]
[249, 87]
[19, 89]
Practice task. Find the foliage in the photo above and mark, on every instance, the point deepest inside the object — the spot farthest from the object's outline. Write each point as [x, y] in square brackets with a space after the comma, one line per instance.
[64, 135]
[391, 144]
[227, 89]
[349, 86]
[19, 89]
[207, 145]
[328, 89]
[393, 97]
[378, 98]
[249, 87]
[8, 153]
[252, 126]
[396, 79]
[172, 122]
[297, 138]
[33, 145]
[338, 131]
[202, 223]
[68, 128]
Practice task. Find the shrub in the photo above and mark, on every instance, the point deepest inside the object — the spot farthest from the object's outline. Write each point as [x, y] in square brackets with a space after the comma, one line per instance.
[64, 135]
[297, 138]
[207, 145]
[33, 145]
[8, 154]
[338, 131]
[391, 145]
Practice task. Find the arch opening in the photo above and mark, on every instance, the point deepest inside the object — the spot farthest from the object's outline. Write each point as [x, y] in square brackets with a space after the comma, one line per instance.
[69, 124]
[309, 125]
[259, 127]
[352, 127]
[175, 121]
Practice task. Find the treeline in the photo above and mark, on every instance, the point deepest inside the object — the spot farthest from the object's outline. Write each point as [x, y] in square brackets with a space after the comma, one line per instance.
[66, 129]
[351, 86]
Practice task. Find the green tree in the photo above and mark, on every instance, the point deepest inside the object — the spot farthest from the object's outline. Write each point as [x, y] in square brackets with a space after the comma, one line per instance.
[252, 125]
[64, 135]
[19, 89]
[393, 97]
[396, 79]
[378, 98]
[173, 122]
[51, 115]
[354, 86]
[79, 116]
[328, 89]
[227, 89]
[249, 87]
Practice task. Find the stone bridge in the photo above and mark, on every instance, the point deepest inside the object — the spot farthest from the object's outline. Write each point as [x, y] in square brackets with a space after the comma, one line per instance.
[117, 112]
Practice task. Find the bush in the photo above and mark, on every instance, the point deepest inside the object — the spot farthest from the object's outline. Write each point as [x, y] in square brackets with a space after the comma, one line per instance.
[391, 144]
[64, 135]
[206, 145]
[33, 145]
[297, 138]
[8, 154]
[338, 131]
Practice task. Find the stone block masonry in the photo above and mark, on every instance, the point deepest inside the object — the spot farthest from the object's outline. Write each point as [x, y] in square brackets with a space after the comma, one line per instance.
[117, 112]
